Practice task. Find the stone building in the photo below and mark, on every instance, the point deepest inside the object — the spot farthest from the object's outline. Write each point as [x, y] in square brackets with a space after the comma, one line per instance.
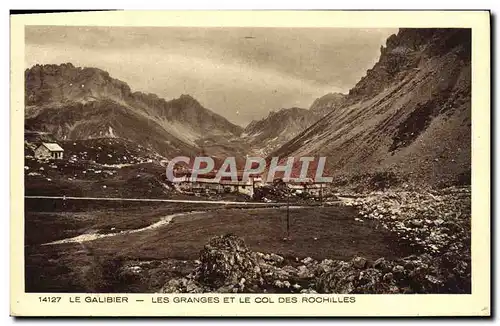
[49, 151]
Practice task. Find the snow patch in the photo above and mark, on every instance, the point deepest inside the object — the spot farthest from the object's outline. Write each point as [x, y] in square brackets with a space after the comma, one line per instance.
[111, 132]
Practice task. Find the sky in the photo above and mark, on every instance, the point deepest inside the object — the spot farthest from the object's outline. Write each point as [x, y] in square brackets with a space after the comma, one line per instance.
[240, 73]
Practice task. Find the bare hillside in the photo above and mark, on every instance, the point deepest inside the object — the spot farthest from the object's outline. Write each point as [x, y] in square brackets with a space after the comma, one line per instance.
[409, 116]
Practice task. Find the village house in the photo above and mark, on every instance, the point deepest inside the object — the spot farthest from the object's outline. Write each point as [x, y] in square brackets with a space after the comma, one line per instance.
[199, 185]
[49, 151]
[310, 187]
[243, 187]
[208, 183]
[240, 185]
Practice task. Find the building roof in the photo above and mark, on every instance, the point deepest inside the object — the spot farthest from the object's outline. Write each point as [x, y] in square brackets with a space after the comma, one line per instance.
[235, 183]
[295, 186]
[53, 147]
[213, 175]
[197, 180]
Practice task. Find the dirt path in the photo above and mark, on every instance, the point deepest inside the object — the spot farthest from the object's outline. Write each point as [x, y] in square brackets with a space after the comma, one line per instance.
[162, 222]
[94, 236]
[214, 202]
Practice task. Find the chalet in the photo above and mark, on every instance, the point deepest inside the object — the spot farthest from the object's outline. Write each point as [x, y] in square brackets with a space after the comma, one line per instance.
[244, 187]
[208, 183]
[309, 186]
[200, 184]
[49, 151]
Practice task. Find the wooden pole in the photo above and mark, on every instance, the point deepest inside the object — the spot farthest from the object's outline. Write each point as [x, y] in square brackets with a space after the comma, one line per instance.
[321, 194]
[253, 188]
[288, 214]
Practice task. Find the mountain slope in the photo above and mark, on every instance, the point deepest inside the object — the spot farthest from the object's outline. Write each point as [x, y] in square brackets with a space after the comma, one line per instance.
[409, 115]
[273, 131]
[82, 103]
[325, 104]
[277, 128]
[106, 118]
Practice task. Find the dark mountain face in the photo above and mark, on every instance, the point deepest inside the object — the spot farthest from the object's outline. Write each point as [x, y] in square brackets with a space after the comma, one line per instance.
[410, 115]
[81, 103]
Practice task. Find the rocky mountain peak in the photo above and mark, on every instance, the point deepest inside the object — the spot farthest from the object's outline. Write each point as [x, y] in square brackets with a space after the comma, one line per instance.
[187, 98]
[327, 103]
[405, 51]
[66, 83]
[186, 101]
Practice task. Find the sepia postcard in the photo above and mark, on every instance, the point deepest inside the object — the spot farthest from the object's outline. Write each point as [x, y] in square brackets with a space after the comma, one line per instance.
[250, 163]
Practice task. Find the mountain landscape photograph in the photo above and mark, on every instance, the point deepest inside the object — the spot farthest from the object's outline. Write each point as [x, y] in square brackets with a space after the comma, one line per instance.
[383, 116]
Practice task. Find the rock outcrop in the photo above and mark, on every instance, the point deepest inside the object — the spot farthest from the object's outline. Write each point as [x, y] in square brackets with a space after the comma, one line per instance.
[431, 222]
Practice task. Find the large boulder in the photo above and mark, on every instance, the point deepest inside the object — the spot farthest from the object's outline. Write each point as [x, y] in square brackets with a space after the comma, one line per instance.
[225, 265]
[353, 277]
[225, 260]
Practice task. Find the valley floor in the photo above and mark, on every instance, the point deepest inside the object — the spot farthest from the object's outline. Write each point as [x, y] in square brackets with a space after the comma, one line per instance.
[171, 249]
[380, 242]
